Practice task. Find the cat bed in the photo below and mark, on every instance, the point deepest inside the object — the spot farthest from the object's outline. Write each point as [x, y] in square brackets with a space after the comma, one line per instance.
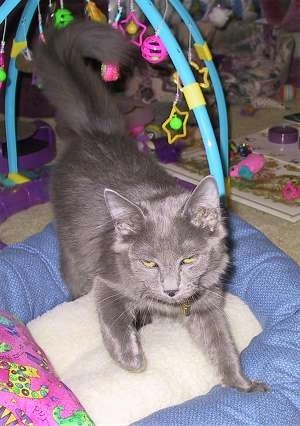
[176, 368]
[263, 277]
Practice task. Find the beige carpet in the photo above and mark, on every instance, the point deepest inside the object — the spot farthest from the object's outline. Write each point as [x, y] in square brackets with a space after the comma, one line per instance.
[284, 234]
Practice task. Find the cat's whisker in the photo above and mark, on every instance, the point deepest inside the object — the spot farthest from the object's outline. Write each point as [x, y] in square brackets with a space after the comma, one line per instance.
[119, 317]
[149, 306]
[215, 325]
[227, 301]
[221, 296]
[104, 224]
[110, 300]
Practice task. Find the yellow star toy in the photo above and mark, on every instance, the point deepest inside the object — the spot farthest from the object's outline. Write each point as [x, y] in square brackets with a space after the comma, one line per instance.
[175, 126]
[204, 72]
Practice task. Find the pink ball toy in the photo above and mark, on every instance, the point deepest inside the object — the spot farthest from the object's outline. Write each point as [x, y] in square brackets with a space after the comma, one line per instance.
[153, 49]
[110, 72]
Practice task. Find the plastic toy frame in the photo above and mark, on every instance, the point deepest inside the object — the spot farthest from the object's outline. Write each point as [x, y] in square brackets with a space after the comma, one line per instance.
[217, 154]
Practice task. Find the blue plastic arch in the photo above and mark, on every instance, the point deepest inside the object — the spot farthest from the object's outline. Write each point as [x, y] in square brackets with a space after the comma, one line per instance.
[217, 156]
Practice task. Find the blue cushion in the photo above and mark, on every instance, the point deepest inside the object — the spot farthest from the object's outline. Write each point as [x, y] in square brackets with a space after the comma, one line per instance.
[267, 279]
[30, 278]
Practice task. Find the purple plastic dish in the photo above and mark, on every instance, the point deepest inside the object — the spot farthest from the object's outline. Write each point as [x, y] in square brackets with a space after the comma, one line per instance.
[34, 151]
[283, 134]
[23, 196]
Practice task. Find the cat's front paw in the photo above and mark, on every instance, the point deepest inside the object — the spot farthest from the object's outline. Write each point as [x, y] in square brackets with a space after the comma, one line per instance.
[245, 385]
[129, 354]
[256, 387]
[135, 363]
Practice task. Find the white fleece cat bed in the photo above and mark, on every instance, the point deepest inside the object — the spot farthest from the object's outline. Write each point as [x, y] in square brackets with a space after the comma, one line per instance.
[176, 371]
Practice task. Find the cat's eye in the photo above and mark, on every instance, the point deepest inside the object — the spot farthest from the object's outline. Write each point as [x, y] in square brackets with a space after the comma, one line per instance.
[188, 260]
[149, 263]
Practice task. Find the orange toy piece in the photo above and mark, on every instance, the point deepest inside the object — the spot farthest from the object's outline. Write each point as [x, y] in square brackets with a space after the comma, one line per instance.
[94, 13]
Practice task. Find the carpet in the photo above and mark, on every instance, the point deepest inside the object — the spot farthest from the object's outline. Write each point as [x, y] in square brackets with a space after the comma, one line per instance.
[264, 191]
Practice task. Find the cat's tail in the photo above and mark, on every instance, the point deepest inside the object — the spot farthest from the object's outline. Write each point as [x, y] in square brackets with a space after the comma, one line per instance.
[72, 84]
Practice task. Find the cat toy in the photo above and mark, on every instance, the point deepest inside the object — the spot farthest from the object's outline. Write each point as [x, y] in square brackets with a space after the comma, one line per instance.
[290, 191]
[62, 16]
[152, 48]
[133, 27]
[110, 72]
[94, 13]
[24, 57]
[203, 72]
[40, 24]
[175, 126]
[2, 57]
[248, 167]
[115, 22]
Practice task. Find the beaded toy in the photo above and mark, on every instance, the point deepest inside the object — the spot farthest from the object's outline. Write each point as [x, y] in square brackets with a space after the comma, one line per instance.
[2, 57]
[133, 27]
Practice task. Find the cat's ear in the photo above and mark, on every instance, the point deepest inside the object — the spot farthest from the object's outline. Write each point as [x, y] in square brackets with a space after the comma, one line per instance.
[128, 217]
[203, 206]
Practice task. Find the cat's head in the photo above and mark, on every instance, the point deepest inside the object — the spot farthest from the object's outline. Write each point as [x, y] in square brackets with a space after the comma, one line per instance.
[172, 247]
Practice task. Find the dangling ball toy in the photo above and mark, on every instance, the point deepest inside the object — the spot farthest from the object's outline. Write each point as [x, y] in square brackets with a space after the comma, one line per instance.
[176, 122]
[62, 18]
[110, 72]
[2, 75]
[244, 149]
[131, 28]
[153, 49]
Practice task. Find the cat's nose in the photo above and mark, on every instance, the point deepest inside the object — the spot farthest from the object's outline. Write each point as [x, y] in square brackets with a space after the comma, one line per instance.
[171, 293]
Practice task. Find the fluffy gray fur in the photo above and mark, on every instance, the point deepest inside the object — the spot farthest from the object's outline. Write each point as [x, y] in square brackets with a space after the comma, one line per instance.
[125, 227]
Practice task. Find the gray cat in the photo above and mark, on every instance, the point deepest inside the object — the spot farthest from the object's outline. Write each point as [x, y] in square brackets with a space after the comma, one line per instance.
[125, 228]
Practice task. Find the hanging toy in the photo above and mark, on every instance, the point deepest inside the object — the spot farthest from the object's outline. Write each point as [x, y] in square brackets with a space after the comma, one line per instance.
[175, 126]
[153, 49]
[134, 28]
[110, 72]
[40, 24]
[23, 60]
[202, 71]
[94, 13]
[115, 22]
[62, 16]
[3, 75]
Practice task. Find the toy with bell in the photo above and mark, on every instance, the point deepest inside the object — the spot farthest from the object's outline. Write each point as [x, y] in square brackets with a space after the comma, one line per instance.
[63, 17]
[3, 75]
[244, 149]
[153, 49]
[133, 28]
